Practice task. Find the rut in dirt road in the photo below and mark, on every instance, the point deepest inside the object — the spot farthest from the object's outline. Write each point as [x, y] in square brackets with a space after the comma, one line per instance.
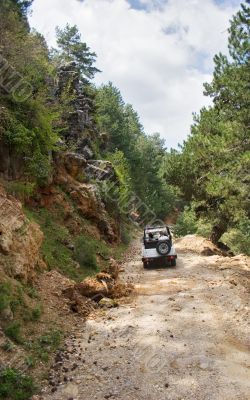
[183, 336]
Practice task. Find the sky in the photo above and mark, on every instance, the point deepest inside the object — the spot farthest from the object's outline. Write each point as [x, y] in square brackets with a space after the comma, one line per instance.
[157, 52]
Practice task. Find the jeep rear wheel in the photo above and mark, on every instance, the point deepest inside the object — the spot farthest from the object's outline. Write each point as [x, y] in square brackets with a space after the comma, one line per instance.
[163, 248]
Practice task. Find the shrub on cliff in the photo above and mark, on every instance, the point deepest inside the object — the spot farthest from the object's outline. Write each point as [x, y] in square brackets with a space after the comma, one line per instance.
[85, 252]
[14, 385]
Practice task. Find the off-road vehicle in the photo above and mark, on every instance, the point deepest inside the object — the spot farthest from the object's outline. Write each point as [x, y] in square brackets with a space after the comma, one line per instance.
[157, 247]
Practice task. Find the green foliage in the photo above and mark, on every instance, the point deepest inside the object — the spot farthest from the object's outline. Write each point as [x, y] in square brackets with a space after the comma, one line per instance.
[7, 346]
[118, 120]
[125, 235]
[15, 299]
[85, 252]
[55, 250]
[28, 127]
[30, 361]
[136, 157]
[55, 253]
[31, 292]
[156, 195]
[238, 238]
[18, 304]
[33, 314]
[21, 190]
[41, 348]
[5, 295]
[116, 195]
[71, 48]
[51, 339]
[14, 385]
[186, 223]
[212, 168]
[11, 297]
[239, 31]
[13, 332]
[204, 228]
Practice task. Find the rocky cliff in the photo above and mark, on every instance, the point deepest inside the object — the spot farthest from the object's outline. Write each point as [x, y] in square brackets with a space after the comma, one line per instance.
[53, 236]
[76, 171]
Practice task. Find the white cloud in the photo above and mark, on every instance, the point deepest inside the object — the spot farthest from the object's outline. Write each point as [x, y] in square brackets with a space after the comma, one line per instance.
[158, 57]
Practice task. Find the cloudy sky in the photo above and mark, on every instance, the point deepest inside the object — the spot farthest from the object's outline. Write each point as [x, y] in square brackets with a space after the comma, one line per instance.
[157, 52]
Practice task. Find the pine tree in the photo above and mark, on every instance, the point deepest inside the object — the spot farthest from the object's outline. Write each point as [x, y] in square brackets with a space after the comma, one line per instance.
[71, 48]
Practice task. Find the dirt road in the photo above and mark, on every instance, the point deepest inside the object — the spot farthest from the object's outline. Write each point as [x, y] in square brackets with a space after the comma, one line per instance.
[184, 335]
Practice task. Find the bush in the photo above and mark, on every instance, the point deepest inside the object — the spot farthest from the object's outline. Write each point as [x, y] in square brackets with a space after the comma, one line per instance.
[55, 249]
[30, 361]
[5, 295]
[186, 223]
[33, 314]
[45, 345]
[13, 331]
[28, 128]
[32, 292]
[204, 228]
[238, 239]
[125, 235]
[21, 190]
[51, 339]
[7, 346]
[14, 385]
[18, 303]
[36, 313]
[85, 252]
[55, 253]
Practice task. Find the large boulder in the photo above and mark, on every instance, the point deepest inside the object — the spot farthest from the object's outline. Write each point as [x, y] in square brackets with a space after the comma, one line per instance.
[101, 170]
[74, 163]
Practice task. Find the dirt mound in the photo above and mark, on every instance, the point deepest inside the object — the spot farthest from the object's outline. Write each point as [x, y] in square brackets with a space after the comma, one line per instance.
[197, 244]
[52, 287]
[121, 290]
[95, 288]
[112, 269]
[240, 262]
[237, 269]
[104, 285]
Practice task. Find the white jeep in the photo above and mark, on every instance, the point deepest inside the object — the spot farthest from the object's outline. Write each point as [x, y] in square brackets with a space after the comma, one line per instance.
[157, 247]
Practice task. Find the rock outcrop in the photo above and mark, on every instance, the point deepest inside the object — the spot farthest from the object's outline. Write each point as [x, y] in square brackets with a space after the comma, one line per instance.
[84, 195]
[77, 172]
[20, 240]
[81, 130]
[101, 170]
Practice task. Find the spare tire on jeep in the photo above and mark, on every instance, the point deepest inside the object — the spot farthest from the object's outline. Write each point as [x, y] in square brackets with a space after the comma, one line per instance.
[163, 247]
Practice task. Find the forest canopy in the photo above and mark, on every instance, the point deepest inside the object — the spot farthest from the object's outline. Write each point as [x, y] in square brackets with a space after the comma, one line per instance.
[212, 167]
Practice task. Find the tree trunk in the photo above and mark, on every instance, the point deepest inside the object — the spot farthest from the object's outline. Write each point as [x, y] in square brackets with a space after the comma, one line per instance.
[218, 230]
